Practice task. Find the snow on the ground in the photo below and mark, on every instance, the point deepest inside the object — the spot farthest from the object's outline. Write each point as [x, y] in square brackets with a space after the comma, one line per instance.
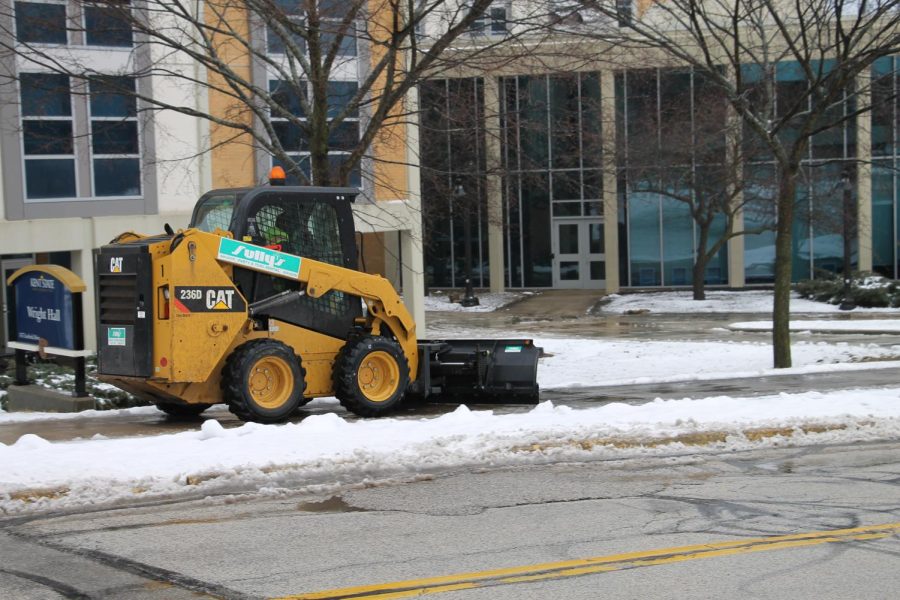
[853, 326]
[718, 302]
[580, 362]
[325, 453]
[574, 362]
[439, 301]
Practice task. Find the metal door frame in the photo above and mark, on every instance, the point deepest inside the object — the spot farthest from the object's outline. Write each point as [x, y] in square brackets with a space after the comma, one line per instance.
[584, 256]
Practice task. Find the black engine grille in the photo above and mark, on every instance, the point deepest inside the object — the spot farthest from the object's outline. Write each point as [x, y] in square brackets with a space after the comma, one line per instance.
[118, 298]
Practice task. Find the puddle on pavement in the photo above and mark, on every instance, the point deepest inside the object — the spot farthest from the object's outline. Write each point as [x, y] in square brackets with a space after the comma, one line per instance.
[335, 504]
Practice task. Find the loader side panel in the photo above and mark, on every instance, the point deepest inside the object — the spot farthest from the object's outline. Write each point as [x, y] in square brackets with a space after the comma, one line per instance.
[124, 310]
[207, 313]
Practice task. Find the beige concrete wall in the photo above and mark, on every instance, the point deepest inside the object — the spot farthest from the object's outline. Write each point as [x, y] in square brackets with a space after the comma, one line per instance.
[232, 157]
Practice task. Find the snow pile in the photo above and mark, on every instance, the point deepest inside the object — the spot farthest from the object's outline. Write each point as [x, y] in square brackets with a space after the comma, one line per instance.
[327, 453]
[716, 302]
[438, 301]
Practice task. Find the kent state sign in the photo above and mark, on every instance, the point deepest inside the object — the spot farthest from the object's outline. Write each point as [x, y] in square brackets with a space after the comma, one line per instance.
[44, 310]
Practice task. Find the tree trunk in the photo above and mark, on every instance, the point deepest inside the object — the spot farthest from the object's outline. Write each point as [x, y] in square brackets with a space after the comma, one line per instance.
[781, 309]
[699, 284]
[320, 168]
[699, 272]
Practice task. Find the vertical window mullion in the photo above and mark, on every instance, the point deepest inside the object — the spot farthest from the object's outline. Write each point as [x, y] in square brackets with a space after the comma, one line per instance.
[659, 201]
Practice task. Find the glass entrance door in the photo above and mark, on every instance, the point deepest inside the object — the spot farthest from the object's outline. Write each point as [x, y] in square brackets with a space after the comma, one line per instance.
[7, 299]
[579, 261]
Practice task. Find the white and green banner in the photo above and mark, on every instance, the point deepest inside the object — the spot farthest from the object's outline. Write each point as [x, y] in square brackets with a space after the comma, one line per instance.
[259, 258]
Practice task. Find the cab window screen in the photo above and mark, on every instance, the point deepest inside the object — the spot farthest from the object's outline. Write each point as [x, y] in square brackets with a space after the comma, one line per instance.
[309, 230]
[215, 213]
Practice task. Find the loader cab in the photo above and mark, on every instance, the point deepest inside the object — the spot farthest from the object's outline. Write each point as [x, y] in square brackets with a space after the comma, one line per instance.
[310, 222]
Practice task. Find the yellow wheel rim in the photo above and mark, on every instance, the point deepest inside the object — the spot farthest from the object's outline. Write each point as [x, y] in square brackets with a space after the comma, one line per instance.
[270, 382]
[378, 376]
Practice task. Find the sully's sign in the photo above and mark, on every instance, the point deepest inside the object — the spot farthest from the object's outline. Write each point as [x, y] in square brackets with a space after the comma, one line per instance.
[47, 307]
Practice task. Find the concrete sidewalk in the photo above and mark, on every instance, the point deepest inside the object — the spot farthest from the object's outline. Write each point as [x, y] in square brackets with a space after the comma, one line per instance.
[555, 304]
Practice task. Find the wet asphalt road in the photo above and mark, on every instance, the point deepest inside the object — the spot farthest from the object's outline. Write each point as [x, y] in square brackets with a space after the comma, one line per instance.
[654, 527]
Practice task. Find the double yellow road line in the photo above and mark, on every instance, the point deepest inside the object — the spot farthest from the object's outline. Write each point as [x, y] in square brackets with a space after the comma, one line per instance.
[598, 564]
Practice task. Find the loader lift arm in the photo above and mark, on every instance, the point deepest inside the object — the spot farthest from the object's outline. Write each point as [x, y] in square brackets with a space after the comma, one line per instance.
[385, 307]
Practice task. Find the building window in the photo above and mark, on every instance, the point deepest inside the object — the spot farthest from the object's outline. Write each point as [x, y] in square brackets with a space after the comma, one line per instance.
[115, 144]
[342, 140]
[331, 26]
[41, 23]
[492, 21]
[108, 24]
[47, 136]
[624, 12]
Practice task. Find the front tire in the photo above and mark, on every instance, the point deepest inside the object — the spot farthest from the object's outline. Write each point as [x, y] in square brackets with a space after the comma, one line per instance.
[263, 381]
[174, 409]
[371, 376]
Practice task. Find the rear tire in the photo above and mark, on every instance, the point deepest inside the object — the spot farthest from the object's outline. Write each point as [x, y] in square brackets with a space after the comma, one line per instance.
[371, 375]
[263, 381]
[174, 409]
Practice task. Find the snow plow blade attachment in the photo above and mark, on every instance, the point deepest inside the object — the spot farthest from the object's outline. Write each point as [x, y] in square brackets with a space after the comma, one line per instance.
[478, 371]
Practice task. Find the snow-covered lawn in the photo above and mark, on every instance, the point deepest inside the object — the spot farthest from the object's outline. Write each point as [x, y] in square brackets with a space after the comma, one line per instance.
[719, 302]
[326, 453]
[579, 362]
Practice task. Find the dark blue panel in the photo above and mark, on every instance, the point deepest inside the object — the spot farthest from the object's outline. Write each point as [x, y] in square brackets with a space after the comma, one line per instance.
[290, 136]
[340, 93]
[108, 26]
[41, 23]
[344, 137]
[117, 177]
[47, 137]
[114, 137]
[50, 178]
[45, 95]
[287, 96]
[112, 97]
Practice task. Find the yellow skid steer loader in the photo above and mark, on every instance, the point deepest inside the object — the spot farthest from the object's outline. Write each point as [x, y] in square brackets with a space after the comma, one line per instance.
[257, 305]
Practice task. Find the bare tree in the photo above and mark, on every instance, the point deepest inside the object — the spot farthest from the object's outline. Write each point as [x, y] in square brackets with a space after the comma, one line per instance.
[743, 47]
[298, 112]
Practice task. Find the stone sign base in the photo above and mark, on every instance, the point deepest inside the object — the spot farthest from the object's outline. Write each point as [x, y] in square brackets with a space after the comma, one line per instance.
[39, 399]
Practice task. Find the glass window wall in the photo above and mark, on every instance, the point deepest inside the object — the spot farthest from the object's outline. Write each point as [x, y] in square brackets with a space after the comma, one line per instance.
[668, 150]
[885, 218]
[453, 182]
[817, 234]
[552, 153]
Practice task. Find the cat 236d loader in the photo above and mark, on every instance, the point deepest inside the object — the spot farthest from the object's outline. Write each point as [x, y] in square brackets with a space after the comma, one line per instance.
[258, 305]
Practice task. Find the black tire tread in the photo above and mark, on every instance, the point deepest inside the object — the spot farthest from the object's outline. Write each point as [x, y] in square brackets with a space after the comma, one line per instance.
[233, 385]
[346, 389]
[176, 409]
